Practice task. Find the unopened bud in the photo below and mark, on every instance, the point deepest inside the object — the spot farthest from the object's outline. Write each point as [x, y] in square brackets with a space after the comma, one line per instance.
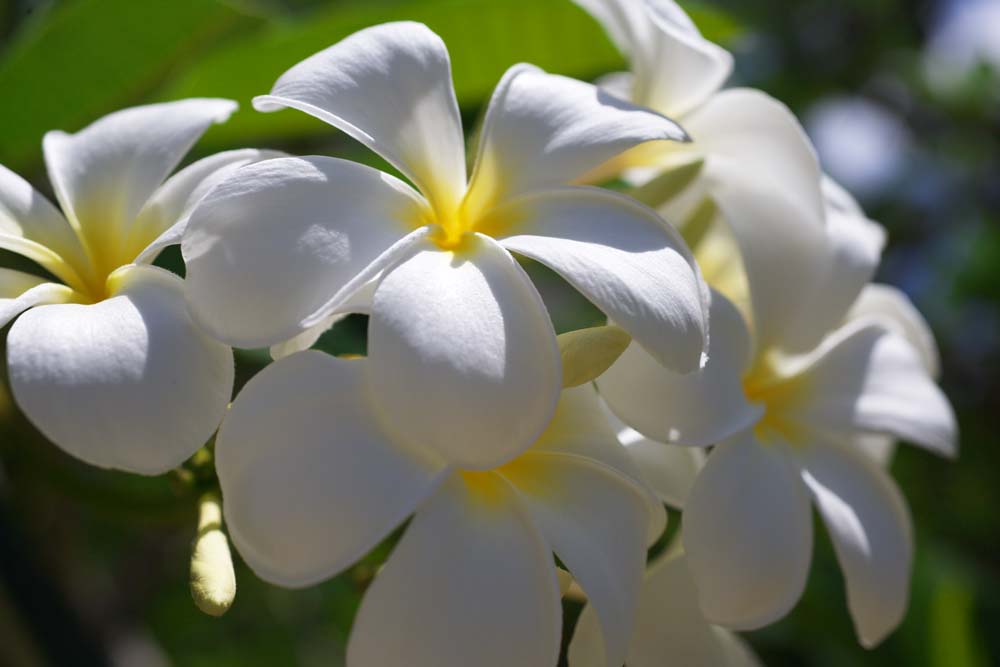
[586, 353]
[213, 581]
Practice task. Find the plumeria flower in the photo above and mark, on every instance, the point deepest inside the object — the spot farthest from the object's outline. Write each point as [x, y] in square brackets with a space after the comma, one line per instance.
[107, 363]
[792, 402]
[312, 480]
[459, 340]
[741, 138]
[670, 628]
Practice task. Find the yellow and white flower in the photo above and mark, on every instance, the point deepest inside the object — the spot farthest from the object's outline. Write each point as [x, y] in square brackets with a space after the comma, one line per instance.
[801, 404]
[107, 363]
[459, 340]
[312, 480]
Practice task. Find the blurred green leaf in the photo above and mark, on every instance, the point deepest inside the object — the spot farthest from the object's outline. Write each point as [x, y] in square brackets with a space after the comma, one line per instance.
[86, 58]
[951, 640]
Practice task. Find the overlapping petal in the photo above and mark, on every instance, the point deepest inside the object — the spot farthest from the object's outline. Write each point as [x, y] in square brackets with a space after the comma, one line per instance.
[472, 582]
[281, 240]
[622, 257]
[20, 291]
[871, 531]
[310, 480]
[669, 470]
[544, 130]
[163, 219]
[700, 408]
[747, 531]
[865, 379]
[891, 307]
[104, 174]
[129, 382]
[389, 87]
[463, 356]
[596, 520]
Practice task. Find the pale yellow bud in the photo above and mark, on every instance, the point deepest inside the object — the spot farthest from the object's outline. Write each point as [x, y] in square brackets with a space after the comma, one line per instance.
[213, 581]
[586, 353]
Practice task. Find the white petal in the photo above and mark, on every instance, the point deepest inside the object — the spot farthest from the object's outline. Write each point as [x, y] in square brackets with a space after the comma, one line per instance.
[675, 68]
[595, 520]
[104, 174]
[700, 408]
[865, 379]
[854, 248]
[543, 130]
[127, 383]
[20, 291]
[359, 302]
[464, 358]
[621, 256]
[32, 227]
[472, 582]
[892, 308]
[871, 532]
[389, 87]
[269, 247]
[310, 480]
[747, 531]
[670, 629]
[163, 219]
[669, 470]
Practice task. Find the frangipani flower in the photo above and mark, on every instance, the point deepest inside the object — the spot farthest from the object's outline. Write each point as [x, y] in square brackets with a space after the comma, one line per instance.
[793, 403]
[107, 363]
[670, 628]
[312, 480]
[459, 340]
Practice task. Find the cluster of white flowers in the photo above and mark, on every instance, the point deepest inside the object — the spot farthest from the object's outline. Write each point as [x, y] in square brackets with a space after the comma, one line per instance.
[749, 369]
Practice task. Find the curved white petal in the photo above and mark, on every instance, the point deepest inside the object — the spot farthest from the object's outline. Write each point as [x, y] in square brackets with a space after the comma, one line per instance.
[310, 480]
[163, 219]
[892, 308]
[675, 68]
[854, 248]
[872, 534]
[669, 470]
[623, 258]
[34, 228]
[129, 382]
[104, 174]
[866, 379]
[463, 356]
[389, 87]
[595, 519]
[700, 408]
[670, 628]
[359, 302]
[20, 291]
[472, 582]
[747, 531]
[543, 130]
[272, 245]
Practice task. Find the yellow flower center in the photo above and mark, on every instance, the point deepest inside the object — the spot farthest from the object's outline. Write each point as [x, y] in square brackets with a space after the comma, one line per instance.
[779, 394]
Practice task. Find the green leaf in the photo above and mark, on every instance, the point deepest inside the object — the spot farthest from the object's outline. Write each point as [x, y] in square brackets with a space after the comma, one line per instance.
[86, 58]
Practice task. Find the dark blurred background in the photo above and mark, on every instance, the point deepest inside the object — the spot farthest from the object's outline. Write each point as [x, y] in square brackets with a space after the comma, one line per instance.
[901, 99]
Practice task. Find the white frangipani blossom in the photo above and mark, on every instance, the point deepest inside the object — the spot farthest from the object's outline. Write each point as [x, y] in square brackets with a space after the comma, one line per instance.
[107, 362]
[794, 403]
[313, 480]
[459, 340]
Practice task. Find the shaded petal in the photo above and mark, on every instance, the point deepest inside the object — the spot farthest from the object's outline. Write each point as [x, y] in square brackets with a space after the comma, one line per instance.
[865, 379]
[871, 531]
[747, 531]
[892, 308]
[129, 382]
[104, 174]
[463, 356]
[670, 628]
[20, 291]
[595, 519]
[389, 87]
[311, 482]
[624, 258]
[359, 302]
[543, 130]
[669, 470]
[700, 408]
[472, 582]
[280, 241]
[34, 228]
[163, 219]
